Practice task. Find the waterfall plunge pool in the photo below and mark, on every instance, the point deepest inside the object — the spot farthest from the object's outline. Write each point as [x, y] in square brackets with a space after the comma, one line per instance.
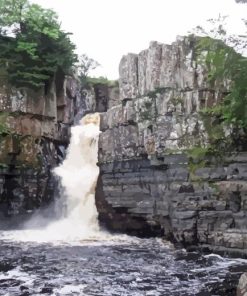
[73, 257]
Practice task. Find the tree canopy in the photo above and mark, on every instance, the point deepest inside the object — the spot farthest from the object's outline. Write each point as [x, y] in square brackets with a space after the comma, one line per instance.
[224, 63]
[33, 47]
[85, 65]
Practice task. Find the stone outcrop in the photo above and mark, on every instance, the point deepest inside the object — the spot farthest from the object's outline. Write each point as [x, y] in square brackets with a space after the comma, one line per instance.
[151, 180]
[34, 133]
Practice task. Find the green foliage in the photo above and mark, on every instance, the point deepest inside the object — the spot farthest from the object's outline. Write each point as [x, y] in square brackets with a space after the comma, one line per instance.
[101, 80]
[198, 153]
[224, 64]
[4, 129]
[197, 158]
[85, 66]
[176, 100]
[32, 45]
[201, 157]
[12, 13]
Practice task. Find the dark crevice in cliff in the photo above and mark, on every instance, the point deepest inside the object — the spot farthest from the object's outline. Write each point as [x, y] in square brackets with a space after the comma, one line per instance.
[102, 97]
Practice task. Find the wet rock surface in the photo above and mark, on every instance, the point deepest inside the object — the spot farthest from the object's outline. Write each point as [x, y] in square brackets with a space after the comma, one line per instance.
[152, 179]
[139, 198]
[34, 134]
[126, 266]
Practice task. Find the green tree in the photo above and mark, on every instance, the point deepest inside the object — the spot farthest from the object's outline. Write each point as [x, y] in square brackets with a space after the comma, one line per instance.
[85, 66]
[33, 48]
[225, 62]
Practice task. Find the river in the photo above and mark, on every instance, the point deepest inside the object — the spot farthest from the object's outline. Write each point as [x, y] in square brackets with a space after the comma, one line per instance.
[73, 256]
[114, 265]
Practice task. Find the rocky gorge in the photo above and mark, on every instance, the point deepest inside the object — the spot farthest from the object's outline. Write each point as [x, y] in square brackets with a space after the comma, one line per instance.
[34, 134]
[157, 179]
[151, 181]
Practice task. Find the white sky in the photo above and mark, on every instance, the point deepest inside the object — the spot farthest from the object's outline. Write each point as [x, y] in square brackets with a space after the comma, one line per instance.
[107, 29]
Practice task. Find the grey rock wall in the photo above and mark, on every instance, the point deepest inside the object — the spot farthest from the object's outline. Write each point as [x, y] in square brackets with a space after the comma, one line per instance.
[149, 181]
[205, 208]
[164, 66]
[34, 131]
[34, 134]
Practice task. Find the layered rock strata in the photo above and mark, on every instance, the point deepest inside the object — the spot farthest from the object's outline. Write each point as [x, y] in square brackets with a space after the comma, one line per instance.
[151, 180]
[34, 133]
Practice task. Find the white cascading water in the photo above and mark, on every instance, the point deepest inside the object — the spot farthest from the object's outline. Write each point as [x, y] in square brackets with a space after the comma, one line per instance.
[78, 174]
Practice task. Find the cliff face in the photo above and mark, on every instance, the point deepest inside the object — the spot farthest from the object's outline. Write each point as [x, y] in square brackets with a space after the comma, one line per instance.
[150, 181]
[151, 178]
[34, 133]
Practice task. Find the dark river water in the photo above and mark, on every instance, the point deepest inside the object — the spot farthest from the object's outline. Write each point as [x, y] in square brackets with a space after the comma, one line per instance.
[118, 265]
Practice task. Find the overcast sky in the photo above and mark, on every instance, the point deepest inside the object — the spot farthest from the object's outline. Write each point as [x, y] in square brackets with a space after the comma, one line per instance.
[108, 29]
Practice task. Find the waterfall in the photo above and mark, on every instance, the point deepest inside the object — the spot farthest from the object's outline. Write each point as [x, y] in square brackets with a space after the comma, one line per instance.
[78, 175]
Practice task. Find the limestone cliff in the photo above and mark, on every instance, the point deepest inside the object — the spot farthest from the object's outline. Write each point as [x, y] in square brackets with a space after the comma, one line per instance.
[34, 133]
[151, 182]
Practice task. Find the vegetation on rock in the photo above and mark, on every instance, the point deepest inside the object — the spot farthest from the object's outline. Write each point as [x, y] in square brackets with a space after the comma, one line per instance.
[4, 129]
[102, 80]
[85, 66]
[218, 51]
[226, 64]
[33, 47]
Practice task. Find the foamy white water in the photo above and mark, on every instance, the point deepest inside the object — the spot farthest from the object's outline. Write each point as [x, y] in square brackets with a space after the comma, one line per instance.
[78, 174]
[82, 260]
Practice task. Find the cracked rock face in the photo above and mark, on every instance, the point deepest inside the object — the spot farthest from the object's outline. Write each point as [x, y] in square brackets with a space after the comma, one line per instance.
[34, 133]
[147, 181]
[34, 130]
[162, 66]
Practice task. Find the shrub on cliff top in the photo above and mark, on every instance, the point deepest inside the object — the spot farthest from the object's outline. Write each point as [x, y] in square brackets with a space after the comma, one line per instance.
[33, 48]
[224, 63]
